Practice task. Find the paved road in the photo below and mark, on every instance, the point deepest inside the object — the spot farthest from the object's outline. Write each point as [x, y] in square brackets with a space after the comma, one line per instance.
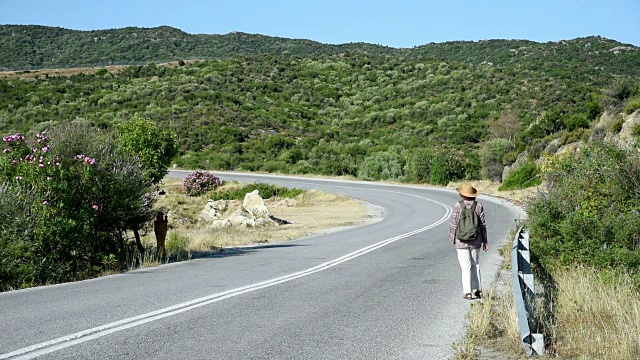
[388, 290]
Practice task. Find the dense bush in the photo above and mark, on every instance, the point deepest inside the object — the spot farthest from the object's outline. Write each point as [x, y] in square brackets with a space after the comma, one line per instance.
[525, 176]
[492, 158]
[441, 164]
[578, 121]
[590, 212]
[616, 126]
[632, 106]
[383, 165]
[200, 182]
[266, 191]
[153, 146]
[79, 195]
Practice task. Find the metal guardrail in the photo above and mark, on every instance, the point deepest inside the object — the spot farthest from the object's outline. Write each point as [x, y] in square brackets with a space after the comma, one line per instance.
[523, 292]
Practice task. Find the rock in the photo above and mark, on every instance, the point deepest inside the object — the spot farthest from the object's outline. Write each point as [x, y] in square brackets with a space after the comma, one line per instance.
[252, 213]
[237, 220]
[213, 210]
[219, 224]
[254, 205]
[249, 222]
[520, 160]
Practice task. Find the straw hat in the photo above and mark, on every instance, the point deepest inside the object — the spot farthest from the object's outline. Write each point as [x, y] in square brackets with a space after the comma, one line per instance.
[467, 190]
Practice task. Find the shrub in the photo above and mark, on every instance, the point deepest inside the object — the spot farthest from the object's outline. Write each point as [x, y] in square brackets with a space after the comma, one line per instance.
[441, 164]
[491, 158]
[81, 194]
[578, 121]
[589, 214]
[616, 127]
[525, 176]
[266, 191]
[200, 182]
[632, 106]
[383, 165]
[418, 164]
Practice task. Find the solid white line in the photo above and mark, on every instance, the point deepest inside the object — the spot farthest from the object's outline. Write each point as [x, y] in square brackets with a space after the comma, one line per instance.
[50, 346]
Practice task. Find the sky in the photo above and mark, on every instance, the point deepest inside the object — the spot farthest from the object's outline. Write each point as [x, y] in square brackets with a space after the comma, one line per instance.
[395, 23]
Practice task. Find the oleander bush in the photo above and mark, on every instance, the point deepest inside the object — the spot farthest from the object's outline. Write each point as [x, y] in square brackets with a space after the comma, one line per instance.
[67, 198]
[200, 182]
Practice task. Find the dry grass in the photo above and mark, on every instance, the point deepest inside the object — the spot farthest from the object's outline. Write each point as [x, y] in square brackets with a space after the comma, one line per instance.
[597, 318]
[312, 212]
[594, 316]
[492, 324]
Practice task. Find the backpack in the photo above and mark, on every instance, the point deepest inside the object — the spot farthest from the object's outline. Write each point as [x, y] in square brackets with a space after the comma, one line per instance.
[468, 223]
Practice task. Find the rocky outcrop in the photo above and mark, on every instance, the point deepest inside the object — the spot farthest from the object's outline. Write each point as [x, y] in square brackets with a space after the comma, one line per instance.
[520, 160]
[252, 213]
[625, 137]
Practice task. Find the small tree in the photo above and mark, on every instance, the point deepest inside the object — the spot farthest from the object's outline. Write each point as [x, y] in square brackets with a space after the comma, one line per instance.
[505, 127]
[153, 146]
[491, 158]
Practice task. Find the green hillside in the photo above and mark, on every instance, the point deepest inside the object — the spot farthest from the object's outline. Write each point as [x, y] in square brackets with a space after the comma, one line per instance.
[298, 106]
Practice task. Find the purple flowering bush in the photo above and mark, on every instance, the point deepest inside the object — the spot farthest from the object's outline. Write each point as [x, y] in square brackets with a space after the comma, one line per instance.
[200, 182]
[80, 196]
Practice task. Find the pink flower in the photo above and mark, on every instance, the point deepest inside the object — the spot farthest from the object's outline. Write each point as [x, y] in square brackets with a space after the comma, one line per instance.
[45, 149]
[35, 149]
[45, 203]
[6, 150]
[41, 165]
[18, 177]
[95, 207]
[48, 177]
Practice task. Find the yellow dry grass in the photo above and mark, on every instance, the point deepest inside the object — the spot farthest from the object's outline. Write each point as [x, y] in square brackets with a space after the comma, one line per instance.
[597, 318]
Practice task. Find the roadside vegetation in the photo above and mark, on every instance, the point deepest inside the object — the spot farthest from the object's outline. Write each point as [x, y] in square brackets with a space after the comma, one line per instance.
[583, 223]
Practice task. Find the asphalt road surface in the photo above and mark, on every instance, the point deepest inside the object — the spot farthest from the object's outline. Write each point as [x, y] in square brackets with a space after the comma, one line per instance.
[388, 290]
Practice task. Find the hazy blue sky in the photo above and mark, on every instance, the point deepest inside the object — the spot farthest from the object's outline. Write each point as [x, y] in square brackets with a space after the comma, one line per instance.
[397, 23]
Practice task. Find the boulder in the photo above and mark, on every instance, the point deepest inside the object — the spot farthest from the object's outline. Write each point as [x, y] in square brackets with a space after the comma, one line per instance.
[254, 205]
[213, 210]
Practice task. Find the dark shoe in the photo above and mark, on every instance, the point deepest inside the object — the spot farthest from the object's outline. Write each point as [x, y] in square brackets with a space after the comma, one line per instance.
[477, 294]
[468, 296]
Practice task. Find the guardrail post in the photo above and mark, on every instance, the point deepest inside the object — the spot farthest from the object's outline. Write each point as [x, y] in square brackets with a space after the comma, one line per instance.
[523, 292]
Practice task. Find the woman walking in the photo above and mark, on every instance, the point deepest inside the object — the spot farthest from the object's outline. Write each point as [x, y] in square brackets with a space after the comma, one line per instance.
[468, 233]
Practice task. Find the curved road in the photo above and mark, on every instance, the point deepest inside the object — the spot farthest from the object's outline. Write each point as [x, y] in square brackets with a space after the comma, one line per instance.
[389, 290]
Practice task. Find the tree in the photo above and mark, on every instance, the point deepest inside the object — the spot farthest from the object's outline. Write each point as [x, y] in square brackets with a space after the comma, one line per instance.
[491, 156]
[153, 146]
[505, 127]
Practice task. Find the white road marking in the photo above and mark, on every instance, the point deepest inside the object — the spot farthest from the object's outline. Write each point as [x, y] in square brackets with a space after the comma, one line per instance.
[60, 343]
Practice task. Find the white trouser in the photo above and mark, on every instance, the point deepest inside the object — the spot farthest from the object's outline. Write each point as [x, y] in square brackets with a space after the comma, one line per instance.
[470, 265]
